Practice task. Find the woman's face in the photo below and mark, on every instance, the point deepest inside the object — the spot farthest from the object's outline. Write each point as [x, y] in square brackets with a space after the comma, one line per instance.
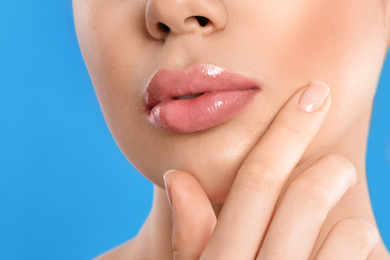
[279, 46]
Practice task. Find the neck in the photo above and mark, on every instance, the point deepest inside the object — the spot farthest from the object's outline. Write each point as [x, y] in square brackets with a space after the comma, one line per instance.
[156, 235]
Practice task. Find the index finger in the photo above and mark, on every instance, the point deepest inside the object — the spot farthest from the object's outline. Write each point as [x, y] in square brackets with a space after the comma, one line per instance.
[249, 206]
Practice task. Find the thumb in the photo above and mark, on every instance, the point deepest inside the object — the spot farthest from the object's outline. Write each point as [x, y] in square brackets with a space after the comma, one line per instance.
[192, 215]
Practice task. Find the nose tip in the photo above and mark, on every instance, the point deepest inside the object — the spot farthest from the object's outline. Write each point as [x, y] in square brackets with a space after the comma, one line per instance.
[174, 17]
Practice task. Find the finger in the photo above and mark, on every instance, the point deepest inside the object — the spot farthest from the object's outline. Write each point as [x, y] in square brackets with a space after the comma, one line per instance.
[192, 214]
[349, 239]
[304, 207]
[254, 193]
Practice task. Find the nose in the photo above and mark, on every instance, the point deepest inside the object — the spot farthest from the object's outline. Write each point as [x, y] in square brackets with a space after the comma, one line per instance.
[175, 17]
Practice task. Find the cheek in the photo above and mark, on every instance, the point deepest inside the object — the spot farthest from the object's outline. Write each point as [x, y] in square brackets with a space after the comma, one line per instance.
[309, 38]
[111, 35]
[287, 46]
[340, 42]
[110, 43]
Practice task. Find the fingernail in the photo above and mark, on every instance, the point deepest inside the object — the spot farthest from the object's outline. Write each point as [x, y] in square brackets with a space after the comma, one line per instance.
[314, 96]
[167, 183]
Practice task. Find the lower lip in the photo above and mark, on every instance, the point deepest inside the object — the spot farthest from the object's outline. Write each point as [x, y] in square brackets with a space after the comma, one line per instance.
[200, 113]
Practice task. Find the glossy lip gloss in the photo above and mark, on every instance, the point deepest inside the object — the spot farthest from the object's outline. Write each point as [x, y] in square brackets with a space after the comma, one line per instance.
[197, 98]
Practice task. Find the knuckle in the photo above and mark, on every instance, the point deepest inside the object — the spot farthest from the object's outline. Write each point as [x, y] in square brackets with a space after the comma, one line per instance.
[309, 193]
[257, 178]
[337, 171]
[323, 183]
[358, 233]
[293, 125]
[341, 163]
[337, 159]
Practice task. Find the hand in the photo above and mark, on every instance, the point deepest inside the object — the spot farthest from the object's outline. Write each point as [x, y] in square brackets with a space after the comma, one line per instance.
[256, 222]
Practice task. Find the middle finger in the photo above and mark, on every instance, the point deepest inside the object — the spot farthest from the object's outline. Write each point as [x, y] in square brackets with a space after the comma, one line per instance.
[251, 201]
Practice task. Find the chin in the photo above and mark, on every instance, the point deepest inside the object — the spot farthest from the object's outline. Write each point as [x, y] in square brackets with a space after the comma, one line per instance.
[216, 178]
[213, 158]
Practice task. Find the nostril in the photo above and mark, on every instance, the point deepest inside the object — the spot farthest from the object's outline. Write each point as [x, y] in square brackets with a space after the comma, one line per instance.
[164, 27]
[203, 21]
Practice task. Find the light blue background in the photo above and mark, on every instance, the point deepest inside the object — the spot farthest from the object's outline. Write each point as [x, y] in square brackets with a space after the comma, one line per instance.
[66, 191]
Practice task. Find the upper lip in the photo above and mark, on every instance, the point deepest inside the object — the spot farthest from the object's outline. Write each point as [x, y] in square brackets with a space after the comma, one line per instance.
[167, 85]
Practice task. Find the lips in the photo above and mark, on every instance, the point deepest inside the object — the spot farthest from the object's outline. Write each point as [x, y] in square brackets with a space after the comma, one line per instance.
[197, 98]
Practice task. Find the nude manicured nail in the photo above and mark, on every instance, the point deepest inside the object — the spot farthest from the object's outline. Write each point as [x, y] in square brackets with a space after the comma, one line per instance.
[167, 183]
[314, 96]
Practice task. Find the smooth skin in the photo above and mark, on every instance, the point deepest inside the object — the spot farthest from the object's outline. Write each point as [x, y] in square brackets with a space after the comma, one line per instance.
[259, 219]
[250, 226]
[277, 178]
